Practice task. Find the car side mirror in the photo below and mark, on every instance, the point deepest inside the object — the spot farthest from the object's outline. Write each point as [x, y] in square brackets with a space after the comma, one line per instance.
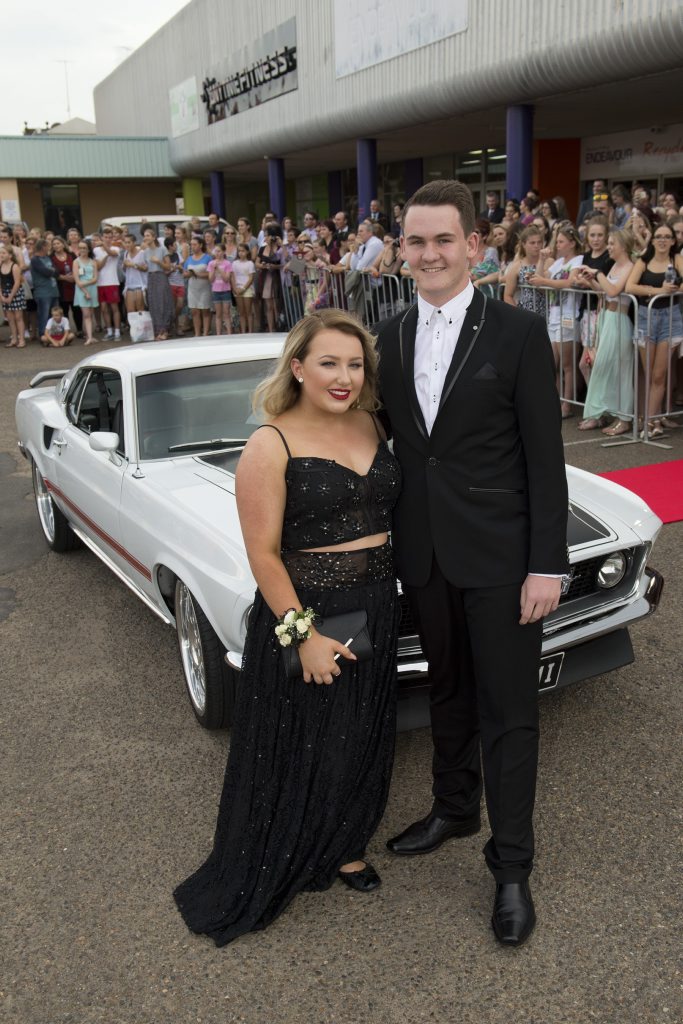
[106, 441]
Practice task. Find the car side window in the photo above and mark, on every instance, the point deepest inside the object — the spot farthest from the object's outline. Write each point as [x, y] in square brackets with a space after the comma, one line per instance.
[73, 398]
[96, 403]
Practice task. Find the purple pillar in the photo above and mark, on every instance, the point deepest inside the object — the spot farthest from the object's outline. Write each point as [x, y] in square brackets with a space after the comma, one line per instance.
[366, 164]
[217, 193]
[413, 176]
[276, 186]
[334, 191]
[519, 147]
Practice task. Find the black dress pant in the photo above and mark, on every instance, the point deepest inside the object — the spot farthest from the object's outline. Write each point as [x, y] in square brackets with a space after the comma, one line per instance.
[483, 674]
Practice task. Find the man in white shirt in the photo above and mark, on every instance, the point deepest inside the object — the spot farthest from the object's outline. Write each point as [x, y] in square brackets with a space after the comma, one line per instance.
[369, 247]
[479, 535]
[108, 290]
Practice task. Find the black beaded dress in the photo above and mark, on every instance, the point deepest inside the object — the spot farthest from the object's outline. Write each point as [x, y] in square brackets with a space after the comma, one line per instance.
[309, 767]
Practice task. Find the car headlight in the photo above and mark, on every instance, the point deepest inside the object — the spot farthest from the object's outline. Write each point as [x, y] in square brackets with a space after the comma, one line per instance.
[612, 570]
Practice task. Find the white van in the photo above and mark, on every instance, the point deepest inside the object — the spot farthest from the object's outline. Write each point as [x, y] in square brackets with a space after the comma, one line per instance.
[137, 223]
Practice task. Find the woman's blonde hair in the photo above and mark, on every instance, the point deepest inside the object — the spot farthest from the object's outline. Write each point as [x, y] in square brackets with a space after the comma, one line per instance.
[281, 390]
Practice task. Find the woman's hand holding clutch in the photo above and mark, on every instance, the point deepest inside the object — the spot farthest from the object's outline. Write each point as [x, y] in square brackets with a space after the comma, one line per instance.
[318, 658]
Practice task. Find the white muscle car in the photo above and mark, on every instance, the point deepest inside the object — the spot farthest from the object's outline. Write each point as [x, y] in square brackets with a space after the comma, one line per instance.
[133, 452]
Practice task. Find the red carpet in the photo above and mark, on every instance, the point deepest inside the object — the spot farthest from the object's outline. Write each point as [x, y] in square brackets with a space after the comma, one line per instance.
[660, 485]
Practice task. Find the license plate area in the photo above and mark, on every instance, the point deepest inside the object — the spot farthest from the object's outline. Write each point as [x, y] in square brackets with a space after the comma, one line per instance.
[549, 671]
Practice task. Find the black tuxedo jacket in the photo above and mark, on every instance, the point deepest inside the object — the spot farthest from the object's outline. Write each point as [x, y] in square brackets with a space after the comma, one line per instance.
[486, 491]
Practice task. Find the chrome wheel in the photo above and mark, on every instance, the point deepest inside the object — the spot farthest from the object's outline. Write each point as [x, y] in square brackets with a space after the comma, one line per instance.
[46, 509]
[191, 648]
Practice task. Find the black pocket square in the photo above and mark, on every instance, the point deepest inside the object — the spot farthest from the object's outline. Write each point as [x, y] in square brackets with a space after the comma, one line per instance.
[486, 372]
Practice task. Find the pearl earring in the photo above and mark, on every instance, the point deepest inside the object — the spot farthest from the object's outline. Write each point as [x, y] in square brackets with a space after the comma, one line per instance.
[300, 379]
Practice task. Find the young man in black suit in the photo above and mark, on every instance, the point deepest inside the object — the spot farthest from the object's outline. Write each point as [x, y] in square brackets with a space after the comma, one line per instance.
[479, 535]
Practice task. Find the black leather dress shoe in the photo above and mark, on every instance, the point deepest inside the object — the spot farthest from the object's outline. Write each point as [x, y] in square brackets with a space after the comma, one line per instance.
[514, 916]
[429, 833]
[364, 880]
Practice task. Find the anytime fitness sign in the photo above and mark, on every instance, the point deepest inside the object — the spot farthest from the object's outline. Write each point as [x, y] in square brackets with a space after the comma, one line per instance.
[263, 70]
[642, 153]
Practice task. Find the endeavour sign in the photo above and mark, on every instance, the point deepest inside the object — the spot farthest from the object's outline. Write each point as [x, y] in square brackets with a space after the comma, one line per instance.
[648, 152]
[261, 71]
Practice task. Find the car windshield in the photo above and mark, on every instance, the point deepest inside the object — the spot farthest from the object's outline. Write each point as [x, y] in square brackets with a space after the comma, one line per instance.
[198, 408]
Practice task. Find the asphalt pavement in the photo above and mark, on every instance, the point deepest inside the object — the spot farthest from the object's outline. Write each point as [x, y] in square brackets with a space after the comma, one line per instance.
[110, 791]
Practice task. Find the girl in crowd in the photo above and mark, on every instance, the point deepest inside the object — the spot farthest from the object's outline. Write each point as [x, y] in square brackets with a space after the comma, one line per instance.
[485, 262]
[561, 207]
[268, 263]
[549, 211]
[85, 297]
[388, 260]
[524, 266]
[220, 275]
[544, 226]
[327, 236]
[598, 258]
[31, 312]
[73, 237]
[563, 323]
[610, 389]
[641, 229]
[135, 275]
[657, 274]
[310, 758]
[242, 284]
[196, 273]
[13, 301]
[183, 243]
[159, 296]
[512, 211]
[62, 261]
[176, 281]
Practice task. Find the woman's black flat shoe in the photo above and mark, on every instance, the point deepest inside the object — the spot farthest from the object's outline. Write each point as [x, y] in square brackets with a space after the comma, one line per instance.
[364, 880]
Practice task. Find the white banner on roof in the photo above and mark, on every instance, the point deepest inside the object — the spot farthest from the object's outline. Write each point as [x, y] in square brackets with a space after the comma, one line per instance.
[367, 32]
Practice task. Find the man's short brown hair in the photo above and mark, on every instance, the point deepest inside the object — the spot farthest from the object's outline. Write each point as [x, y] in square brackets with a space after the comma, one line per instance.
[445, 192]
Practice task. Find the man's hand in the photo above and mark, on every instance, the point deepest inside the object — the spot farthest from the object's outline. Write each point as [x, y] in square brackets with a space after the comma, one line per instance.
[540, 597]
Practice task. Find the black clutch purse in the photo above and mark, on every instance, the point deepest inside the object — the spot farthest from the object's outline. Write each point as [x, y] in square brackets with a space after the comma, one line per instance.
[350, 629]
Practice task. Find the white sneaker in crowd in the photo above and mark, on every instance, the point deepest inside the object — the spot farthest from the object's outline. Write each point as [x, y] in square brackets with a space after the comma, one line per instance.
[109, 334]
[117, 335]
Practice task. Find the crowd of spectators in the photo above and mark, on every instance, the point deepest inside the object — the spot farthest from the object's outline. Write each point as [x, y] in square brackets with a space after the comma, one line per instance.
[227, 279]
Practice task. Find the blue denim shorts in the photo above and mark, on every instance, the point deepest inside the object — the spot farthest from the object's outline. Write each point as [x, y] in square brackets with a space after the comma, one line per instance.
[221, 296]
[664, 326]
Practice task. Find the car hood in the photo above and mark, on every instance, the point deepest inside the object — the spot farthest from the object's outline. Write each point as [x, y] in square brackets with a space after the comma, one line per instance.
[602, 512]
[205, 495]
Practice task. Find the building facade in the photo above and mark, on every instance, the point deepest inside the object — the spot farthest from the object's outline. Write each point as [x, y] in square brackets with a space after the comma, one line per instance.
[296, 103]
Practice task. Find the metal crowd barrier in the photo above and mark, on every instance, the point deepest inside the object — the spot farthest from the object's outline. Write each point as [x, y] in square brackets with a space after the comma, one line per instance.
[668, 410]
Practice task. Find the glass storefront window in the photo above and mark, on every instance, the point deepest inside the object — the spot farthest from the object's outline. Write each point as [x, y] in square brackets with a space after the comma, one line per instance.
[61, 208]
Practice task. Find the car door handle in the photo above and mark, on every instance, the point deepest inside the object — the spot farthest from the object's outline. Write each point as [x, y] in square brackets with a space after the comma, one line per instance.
[60, 444]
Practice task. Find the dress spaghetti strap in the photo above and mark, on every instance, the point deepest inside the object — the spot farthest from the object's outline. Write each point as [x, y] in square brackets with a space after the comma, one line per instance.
[272, 427]
[374, 420]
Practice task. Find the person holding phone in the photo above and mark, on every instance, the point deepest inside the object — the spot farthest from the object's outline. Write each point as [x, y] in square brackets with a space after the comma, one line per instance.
[310, 757]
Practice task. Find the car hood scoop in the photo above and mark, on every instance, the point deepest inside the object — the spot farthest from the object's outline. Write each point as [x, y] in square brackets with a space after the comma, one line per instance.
[583, 528]
[227, 461]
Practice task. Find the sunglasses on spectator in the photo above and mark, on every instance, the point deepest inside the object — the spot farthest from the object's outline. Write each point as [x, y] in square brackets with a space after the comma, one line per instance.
[233, 233]
[601, 195]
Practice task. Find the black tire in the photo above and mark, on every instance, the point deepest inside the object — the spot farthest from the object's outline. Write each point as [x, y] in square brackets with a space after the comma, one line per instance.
[54, 524]
[209, 681]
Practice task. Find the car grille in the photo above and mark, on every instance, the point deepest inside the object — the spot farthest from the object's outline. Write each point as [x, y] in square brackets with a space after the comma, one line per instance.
[584, 580]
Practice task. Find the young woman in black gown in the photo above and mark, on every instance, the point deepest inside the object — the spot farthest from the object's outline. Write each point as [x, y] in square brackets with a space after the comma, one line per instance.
[310, 760]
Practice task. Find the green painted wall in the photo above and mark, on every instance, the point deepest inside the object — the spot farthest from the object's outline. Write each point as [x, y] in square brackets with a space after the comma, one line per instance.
[193, 197]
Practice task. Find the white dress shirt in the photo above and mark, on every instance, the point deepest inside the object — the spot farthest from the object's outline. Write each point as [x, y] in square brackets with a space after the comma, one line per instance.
[436, 335]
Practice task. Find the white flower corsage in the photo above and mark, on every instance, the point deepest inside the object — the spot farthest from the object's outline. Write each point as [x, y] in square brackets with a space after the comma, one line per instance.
[294, 627]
